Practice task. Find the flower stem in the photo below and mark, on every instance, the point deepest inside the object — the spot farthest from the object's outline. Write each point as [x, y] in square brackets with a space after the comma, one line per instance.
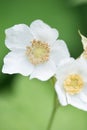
[55, 106]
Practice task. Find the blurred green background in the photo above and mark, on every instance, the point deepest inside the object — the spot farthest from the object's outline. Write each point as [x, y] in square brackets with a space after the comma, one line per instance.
[27, 104]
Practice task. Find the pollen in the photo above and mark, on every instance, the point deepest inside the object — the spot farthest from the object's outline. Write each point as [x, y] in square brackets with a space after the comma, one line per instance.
[38, 52]
[73, 84]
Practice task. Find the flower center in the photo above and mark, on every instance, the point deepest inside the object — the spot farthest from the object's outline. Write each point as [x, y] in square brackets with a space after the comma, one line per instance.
[38, 52]
[73, 84]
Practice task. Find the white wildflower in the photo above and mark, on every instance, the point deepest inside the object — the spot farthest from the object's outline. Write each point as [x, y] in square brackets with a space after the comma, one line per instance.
[34, 51]
[71, 85]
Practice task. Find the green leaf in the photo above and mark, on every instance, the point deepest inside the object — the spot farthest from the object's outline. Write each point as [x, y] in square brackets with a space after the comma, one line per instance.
[28, 106]
[70, 118]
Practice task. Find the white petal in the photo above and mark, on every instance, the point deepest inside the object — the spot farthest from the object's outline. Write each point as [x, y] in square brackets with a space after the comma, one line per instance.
[81, 66]
[83, 97]
[71, 66]
[16, 62]
[43, 32]
[84, 41]
[59, 51]
[76, 101]
[61, 94]
[18, 37]
[44, 71]
[65, 67]
[83, 93]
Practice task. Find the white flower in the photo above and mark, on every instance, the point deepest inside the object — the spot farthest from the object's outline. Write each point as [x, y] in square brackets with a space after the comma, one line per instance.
[71, 85]
[34, 51]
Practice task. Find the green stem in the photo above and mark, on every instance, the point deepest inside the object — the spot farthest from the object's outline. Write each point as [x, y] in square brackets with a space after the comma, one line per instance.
[55, 106]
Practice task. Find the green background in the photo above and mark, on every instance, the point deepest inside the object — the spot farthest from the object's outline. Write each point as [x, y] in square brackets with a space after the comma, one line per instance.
[27, 104]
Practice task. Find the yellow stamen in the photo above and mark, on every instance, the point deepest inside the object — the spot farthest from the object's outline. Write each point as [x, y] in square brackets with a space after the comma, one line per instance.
[38, 52]
[73, 84]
